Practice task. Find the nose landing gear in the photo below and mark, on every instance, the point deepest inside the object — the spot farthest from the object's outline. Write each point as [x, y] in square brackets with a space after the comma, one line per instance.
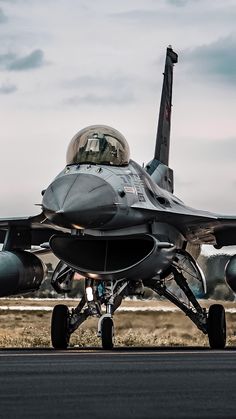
[106, 331]
[64, 321]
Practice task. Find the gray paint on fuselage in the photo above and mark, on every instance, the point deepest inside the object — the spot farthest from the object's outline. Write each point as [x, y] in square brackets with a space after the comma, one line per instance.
[137, 207]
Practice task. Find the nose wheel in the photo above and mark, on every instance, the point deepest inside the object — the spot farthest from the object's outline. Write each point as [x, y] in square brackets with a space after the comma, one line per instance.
[60, 335]
[107, 333]
[216, 326]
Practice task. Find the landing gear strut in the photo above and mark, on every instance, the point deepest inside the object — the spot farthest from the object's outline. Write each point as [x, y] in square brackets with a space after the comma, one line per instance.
[212, 323]
[192, 309]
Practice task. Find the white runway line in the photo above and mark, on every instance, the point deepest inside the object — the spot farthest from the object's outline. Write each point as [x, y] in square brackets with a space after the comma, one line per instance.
[26, 308]
[121, 309]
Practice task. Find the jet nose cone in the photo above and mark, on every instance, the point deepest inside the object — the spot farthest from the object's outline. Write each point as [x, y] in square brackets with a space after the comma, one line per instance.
[82, 200]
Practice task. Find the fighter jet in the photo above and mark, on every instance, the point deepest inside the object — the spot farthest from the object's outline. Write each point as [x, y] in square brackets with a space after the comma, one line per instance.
[121, 227]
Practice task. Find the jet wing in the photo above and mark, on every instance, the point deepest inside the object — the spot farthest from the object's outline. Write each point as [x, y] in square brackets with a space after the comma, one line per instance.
[199, 227]
[24, 232]
[216, 230]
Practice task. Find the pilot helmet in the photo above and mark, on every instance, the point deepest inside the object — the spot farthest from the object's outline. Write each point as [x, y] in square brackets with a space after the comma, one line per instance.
[98, 144]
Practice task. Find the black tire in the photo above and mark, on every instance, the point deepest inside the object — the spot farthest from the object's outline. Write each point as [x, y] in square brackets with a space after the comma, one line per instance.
[59, 327]
[216, 326]
[107, 330]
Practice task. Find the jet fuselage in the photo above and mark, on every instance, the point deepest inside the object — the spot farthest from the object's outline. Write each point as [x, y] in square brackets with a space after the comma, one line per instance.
[89, 196]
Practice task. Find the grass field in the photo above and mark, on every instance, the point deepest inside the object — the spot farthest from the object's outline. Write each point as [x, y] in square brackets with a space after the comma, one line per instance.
[31, 328]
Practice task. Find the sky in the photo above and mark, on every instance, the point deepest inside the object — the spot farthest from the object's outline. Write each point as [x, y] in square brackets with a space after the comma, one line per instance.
[67, 64]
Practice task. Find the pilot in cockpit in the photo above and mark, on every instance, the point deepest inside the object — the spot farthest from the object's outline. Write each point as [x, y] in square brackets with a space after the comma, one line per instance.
[98, 144]
[98, 150]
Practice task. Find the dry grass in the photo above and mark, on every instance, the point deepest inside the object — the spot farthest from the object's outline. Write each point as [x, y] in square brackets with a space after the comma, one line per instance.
[32, 329]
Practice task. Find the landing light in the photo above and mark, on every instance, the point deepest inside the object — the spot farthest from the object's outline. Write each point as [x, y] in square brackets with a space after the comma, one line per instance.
[77, 227]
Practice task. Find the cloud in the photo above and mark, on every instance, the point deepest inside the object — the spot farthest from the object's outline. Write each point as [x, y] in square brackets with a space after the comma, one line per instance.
[6, 59]
[224, 150]
[3, 17]
[101, 99]
[158, 13]
[181, 3]
[138, 15]
[100, 90]
[7, 88]
[115, 82]
[220, 151]
[31, 61]
[13, 62]
[217, 59]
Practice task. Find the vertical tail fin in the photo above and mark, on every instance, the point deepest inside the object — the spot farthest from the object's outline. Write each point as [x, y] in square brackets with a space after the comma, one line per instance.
[164, 122]
[158, 167]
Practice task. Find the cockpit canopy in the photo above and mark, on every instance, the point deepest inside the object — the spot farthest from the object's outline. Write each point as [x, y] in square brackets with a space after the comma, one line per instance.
[98, 144]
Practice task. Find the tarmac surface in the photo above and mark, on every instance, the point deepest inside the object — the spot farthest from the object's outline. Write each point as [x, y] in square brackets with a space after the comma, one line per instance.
[123, 383]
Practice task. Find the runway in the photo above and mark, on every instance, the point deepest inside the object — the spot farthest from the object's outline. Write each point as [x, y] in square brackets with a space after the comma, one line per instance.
[125, 383]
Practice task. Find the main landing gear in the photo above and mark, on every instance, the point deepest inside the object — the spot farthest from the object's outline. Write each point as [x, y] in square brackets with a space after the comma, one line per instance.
[211, 323]
[110, 294]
